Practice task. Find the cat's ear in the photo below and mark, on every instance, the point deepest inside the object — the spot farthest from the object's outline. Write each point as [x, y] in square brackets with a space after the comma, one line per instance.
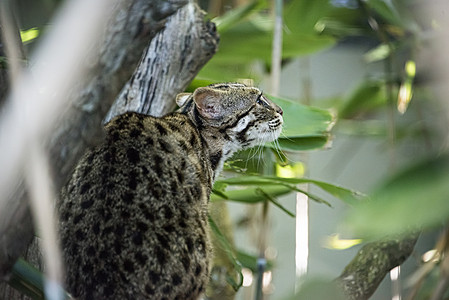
[182, 98]
[208, 102]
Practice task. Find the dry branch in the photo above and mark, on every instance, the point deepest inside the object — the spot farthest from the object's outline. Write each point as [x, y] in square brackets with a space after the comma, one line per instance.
[135, 24]
[365, 272]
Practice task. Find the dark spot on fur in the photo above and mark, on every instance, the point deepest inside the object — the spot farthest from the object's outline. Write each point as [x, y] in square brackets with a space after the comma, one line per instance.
[182, 224]
[168, 213]
[166, 290]
[143, 227]
[103, 254]
[137, 238]
[150, 141]
[85, 188]
[119, 230]
[125, 214]
[132, 180]
[87, 203]
[189, 244]
[128, 265]
[107, 230]
[173, 127]
[96, 228]
[148, 215]
[154, 277]
[183, 146]
[185, 262]
[128, 197]
[169, 228]
[115, 136]
[163, 241]
[180, 176]
[160, 255]
[87, 268]
[176, 279]
[157, 167]
[132, 155]
[101, 277]
[79, 235]
[198, 270]
[149, 290]
[161, 129]
[144, 170]
[90, 158]
[140, 257]
[166, 147]
[193, 141]
[77, 218]
[117, 247]
[90, 251]
[135, 132]
[215, 159]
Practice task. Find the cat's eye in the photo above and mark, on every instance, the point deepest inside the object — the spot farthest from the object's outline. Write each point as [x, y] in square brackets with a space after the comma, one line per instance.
[260, 101]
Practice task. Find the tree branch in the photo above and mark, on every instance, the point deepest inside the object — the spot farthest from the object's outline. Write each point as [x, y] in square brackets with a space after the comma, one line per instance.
[365, 272]
[135, 24]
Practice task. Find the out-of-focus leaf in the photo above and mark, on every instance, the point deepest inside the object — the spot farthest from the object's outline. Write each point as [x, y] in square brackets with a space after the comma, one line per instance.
[252, 194]
[302, 15]
[378, 53]
[414, 199]
[29, 280]
[369, 95]
[317, 289]
[250, 261]
[305, 127]
[29, 35]
[337, 28]
[349, 196]
[234, 16]
[387, 10]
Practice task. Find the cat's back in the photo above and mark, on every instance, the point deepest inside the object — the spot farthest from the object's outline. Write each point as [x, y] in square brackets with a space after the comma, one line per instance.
[134, 214]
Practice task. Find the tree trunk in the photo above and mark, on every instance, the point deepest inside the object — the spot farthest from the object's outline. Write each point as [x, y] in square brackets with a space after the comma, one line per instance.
[135, 24]
[365, 272]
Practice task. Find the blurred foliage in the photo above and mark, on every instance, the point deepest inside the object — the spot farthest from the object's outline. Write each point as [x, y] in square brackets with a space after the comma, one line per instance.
[392, 105]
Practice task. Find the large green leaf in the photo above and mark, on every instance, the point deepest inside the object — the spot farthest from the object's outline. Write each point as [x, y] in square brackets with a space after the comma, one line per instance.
[305, 127]
[366, 97]
[416, 198]
[349, 196]
[251, 194]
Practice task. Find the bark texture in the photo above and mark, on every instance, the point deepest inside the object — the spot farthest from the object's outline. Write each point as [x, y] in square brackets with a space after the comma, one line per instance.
[365, 272]
[134, 24]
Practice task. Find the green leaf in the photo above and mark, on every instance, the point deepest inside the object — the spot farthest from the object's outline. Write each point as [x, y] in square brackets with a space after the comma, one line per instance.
[227, 247]
[252, 194]
[250, 261]
[305, 127]
[302, 15]
[366, 97]
[234, 16]
[274, 201]
[349, 196]
[28, 280]
[414, 199]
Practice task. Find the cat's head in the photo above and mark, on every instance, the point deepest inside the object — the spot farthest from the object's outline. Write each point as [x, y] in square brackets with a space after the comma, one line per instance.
[239, 112]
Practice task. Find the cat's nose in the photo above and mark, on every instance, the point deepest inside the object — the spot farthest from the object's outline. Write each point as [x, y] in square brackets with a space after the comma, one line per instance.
[279, 110]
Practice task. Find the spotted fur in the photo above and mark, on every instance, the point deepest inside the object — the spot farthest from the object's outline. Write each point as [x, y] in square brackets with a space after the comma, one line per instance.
[134, 214]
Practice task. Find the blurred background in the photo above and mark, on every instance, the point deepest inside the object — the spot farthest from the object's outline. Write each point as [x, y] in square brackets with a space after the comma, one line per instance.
[366, 118]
